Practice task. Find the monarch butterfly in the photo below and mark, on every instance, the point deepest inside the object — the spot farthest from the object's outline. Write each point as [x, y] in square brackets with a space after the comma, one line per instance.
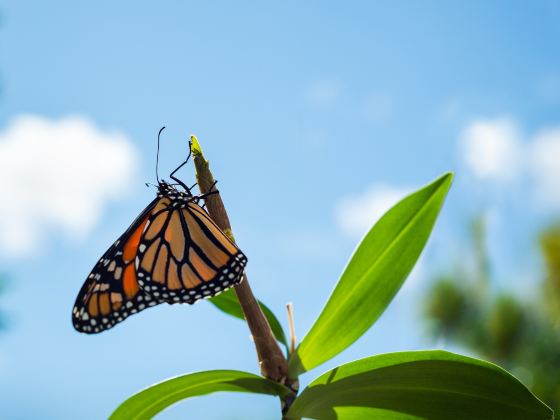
[173, 253]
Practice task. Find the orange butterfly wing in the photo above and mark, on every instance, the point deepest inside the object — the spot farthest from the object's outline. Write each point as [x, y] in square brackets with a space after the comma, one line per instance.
[173, 252]
[184, 256]
[111, 292]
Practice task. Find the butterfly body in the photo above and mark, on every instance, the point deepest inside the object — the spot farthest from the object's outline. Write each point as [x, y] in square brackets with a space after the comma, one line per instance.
[172, 253]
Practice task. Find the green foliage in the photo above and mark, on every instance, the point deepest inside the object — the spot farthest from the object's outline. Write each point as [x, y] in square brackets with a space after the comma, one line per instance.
[419, 385]
[373, 276]
[447, 306]
[550, 249]
[227, 302]
[520, 334]
[505, 324]
[399, 386]
[147, 403]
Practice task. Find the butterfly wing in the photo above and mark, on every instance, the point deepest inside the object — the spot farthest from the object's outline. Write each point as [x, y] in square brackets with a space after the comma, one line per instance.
[111, 293]
[184, 256]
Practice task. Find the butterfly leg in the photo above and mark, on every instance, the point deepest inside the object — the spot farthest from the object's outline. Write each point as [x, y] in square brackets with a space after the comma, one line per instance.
[172, 175]
[211, 191]
[203, 196]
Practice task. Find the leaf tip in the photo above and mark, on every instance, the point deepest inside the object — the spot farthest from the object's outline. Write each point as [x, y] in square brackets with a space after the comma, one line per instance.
[444, 180]
[447, 176]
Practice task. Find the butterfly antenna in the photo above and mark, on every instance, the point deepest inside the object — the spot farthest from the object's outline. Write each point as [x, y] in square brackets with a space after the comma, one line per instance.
[157, 154]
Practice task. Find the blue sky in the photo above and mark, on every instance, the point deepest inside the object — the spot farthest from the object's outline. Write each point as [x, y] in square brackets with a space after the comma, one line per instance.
[305, 111]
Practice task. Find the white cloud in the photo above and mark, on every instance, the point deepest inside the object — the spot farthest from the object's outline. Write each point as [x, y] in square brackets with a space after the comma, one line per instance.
[57, 175]
[492, 150]
[544, 163]
[356, 215]
[322, 93]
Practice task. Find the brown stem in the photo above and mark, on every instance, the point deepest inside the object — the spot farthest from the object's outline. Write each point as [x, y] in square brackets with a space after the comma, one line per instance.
[273, 363]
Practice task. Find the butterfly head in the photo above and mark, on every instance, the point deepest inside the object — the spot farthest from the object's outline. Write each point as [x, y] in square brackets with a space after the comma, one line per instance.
[172, 192]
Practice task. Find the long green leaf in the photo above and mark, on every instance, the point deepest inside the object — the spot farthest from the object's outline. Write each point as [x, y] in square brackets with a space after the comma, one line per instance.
[429, 385]
[228, 303]
[147, 403]
[373, 276]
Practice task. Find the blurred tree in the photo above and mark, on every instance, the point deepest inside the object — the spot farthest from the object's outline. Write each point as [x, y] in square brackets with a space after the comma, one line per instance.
[550, 246]
[522, 335]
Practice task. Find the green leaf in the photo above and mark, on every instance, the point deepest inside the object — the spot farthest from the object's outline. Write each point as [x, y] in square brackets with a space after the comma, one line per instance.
[228, 303]
[360, 413]
[147, 403]
[373, 276]
[430, 385]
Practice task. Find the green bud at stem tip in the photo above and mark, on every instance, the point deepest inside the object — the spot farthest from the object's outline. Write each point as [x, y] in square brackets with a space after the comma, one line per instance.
[195, 146]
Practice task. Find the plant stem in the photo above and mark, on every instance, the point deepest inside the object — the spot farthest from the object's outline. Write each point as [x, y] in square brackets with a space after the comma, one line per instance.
[290, 309]
[272, 362]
